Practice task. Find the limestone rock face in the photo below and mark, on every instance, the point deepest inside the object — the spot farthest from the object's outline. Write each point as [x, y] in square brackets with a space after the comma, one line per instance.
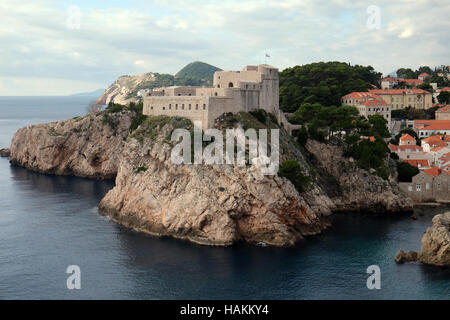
[214, 205]
[124, 89]
[85, 146]
[402, 256]
[436, 242]
[205, 204]
[4, 152]
[351, 188]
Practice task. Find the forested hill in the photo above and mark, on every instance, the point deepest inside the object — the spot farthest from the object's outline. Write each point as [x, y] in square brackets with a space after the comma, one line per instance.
[196, 73]
[324, 83]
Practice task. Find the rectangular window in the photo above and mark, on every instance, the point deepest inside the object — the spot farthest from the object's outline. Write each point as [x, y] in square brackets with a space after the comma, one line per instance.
[189, 106]
[204, 106]
[196, 107]
[182, 106]
[439, 186]
[427, 186]
[418, 187]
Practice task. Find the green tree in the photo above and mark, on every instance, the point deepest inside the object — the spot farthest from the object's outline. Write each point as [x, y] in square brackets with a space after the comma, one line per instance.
[444, 97]
[291, 170]
[406, 171]
[324, 83]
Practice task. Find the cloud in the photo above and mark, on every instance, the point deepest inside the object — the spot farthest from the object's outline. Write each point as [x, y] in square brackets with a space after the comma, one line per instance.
[130, 37]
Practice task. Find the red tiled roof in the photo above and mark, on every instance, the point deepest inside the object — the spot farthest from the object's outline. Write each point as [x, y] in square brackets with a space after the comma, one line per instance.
[438, 148]
[432, 124]
[396, 91]
[434, 171]
[417, 163]
[378, 102]
[407, 137]
[445, 89]
[412, 147]
[411, 80]
[444, 109]
[435, 137]
[361, 94]
[390, 79]
[424, 74]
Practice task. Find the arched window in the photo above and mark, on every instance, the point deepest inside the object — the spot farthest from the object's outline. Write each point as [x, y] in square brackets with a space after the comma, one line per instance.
[215, 93]
[230, 85]
[218, 86]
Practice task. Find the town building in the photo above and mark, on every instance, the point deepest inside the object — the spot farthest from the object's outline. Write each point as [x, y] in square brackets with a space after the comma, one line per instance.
[368, 104]
[443, 113]
[423, 76]
[427, 128]
[431, 184]
[255, 87]
[407, 140]
[403, 98]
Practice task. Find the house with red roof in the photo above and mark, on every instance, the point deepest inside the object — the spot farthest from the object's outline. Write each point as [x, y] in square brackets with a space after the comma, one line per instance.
[443, 113]
[432, 184]
[403, 98]
[368, 104]
[419, 163]
[406, 140]
[423, 76]
[427, 128]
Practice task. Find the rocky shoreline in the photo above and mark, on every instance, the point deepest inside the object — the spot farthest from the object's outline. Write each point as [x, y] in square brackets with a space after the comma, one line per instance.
[205, 204]
[435, 244]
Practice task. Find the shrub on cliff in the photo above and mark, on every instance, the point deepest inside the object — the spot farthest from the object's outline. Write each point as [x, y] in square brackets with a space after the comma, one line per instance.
[406, 171]
[291, 170]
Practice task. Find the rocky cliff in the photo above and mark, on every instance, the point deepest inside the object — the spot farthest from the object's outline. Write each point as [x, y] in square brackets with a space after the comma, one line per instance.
[206, 204]
[436, 242]
[125, 88]
[87, 146]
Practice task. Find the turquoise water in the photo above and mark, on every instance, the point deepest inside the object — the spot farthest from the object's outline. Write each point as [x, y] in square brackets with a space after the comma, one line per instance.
[48, 223]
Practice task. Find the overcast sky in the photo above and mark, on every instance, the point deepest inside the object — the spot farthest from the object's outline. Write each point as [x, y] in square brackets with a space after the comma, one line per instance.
[47, 48]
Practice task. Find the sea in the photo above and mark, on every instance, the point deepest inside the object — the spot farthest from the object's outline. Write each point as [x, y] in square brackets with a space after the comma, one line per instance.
[49, 223]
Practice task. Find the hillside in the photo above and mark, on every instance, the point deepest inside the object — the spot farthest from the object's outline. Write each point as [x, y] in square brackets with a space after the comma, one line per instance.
[324, 83]
[126, 88]
[196, 73]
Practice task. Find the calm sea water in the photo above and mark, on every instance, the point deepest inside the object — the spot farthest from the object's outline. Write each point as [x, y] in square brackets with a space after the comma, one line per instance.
[48, 223]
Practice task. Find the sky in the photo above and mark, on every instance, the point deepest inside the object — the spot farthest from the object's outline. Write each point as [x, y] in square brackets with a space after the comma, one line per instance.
[62, 47]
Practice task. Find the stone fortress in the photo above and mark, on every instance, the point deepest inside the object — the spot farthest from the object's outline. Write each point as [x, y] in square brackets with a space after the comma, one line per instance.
[255, 87]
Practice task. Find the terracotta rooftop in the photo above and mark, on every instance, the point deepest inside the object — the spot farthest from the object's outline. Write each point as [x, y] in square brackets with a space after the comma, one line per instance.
[444, 109]
[418, 163]
[434, 171]
[407, 137]
[432, 124]
[413, 148]
[397, 91]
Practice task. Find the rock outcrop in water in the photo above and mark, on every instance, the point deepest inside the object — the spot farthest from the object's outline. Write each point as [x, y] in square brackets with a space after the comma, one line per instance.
[214, 204]
[4, 152]
[436, 242]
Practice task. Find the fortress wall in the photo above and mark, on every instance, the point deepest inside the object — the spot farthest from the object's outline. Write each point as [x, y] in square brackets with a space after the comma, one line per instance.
[219, 106]
[190, 107]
